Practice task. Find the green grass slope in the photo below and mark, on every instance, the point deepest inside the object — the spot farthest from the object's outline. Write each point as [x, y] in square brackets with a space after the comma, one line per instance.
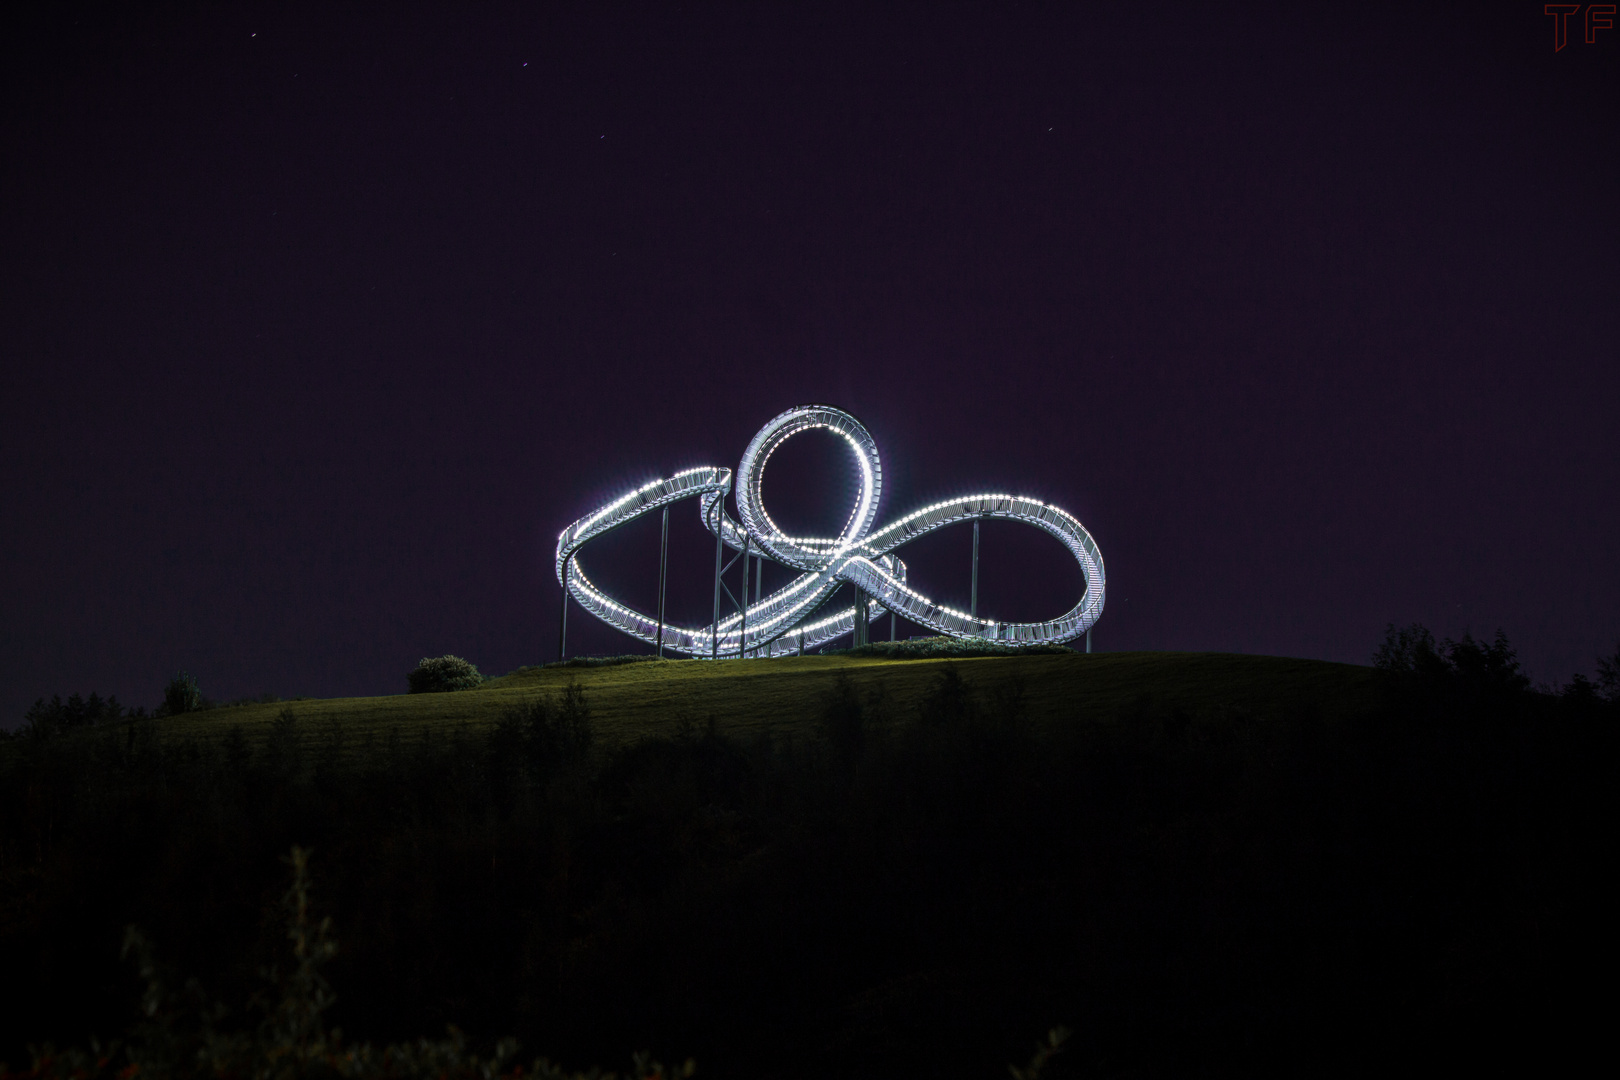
[784, 695]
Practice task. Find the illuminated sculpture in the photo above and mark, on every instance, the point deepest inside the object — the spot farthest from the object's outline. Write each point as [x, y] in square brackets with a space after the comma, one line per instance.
[788, 621]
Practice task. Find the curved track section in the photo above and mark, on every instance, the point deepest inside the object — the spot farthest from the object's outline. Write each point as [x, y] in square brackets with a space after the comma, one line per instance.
[790, 620]
[708, 483]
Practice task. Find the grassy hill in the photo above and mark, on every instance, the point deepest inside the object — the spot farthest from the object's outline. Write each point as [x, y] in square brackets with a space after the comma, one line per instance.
[784, 695]
[1203, 863]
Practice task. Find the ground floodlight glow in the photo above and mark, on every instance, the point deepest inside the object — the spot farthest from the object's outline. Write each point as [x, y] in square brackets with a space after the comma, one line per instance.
[789, 620]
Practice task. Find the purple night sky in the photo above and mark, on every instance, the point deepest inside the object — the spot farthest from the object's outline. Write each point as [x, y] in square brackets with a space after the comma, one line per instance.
[319, 327]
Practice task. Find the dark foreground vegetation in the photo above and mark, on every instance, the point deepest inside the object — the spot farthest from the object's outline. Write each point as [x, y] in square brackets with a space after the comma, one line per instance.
[917, 890]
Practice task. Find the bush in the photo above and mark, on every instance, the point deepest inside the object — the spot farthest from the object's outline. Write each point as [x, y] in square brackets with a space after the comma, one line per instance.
[608, 661]
[181, 695]
[936, 648]
[437, 675]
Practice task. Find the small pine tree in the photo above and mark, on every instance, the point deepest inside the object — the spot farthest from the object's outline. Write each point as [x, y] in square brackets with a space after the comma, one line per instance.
[181, 695]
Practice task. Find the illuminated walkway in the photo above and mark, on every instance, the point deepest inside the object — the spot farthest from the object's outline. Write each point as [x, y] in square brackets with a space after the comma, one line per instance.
[789, 621]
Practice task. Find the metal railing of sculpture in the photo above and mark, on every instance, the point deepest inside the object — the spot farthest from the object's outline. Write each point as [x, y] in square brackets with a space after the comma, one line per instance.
[789, 620]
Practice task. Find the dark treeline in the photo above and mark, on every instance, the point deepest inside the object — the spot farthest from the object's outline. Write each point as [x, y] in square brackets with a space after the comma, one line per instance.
[918, 889]
[46, 719]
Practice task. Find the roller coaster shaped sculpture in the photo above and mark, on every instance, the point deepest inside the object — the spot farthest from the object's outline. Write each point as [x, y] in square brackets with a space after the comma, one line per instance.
[785, 622]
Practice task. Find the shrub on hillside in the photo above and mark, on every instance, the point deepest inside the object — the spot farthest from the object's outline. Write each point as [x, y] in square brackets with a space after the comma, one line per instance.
[439, 674]
[607, 661]
[937, 648]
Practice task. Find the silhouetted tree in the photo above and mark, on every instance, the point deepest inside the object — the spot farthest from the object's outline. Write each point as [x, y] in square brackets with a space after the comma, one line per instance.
[49, 717]
[1609, 675]
[1489, 667]
[842, 721]
[950, 700]
[545, 734]
[1580, 691]
[181, 695]
[1408, 650]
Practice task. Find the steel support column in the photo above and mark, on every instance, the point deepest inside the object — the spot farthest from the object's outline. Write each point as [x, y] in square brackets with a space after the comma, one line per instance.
[562, 627]
[663, 577]
[973, 601]
[714, 651]
[759, 590]
[742, 626]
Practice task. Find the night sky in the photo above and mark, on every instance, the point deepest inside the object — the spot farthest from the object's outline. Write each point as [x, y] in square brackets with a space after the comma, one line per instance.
[318, 327]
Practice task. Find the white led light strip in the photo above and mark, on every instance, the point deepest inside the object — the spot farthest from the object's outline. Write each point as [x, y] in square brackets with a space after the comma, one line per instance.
[857, 555]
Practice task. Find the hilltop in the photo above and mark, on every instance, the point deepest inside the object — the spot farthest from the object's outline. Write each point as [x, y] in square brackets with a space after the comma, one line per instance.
[784, 695]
